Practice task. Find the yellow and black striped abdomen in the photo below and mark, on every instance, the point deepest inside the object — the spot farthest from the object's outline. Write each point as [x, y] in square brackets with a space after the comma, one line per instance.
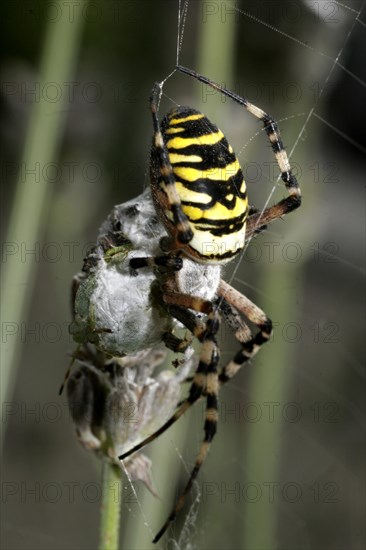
[209, 182]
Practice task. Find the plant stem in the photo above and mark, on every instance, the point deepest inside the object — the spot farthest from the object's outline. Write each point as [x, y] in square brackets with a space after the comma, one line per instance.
[264, 445]
[110, 511]
[33, 194]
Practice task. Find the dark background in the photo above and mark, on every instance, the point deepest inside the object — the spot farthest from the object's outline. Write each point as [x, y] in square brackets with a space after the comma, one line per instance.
[286, 468]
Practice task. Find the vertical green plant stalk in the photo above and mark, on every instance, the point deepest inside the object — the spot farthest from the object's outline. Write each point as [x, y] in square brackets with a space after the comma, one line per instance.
[216, 57]
[32, 198]
[263, 453]
[110, 512]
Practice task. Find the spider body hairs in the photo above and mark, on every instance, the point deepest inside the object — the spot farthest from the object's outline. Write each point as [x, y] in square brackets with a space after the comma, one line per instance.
[200, 196]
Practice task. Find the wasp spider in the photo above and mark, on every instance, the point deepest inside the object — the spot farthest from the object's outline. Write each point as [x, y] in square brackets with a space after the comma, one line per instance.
[200, 196]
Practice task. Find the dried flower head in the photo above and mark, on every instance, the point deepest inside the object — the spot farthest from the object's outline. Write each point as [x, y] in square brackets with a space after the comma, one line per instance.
[118, 405]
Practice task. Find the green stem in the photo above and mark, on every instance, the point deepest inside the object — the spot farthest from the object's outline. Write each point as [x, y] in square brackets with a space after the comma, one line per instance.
[216, 58]
[110, 512]
[269, 385]
[33, 193]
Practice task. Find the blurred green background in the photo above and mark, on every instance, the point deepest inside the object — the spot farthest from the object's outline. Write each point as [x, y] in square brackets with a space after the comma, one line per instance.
[286, 468]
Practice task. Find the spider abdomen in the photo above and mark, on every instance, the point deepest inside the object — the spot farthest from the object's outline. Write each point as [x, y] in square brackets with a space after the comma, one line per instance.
[209, 182]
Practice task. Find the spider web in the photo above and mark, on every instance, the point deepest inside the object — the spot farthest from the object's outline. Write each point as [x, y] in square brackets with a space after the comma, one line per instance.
[333, 67]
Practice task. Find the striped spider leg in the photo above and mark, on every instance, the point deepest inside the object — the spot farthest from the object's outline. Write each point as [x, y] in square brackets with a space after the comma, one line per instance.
[291, 202]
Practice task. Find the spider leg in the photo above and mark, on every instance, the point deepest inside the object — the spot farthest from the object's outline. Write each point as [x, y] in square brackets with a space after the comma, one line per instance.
[237, 325]
[258, 221]
[210, 431]
[172, 262]
[176, 344]
[209, 357]
[271, 128]
[179, 412]
[184, 232]
[195, 325]
[250, 344]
